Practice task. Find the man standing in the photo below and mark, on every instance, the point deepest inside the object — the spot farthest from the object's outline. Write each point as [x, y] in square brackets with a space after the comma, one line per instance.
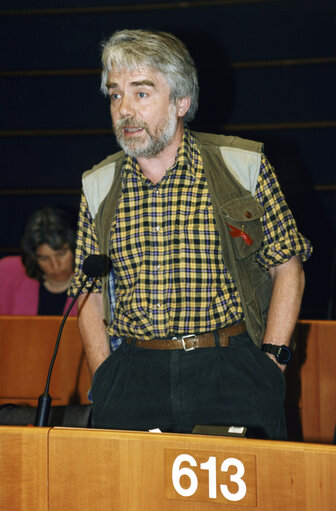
[193, 321]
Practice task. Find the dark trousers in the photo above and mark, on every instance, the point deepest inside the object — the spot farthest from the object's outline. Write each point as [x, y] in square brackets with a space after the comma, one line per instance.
[238, 385]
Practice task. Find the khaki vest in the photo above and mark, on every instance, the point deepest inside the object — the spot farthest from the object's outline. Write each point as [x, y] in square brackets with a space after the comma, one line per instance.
[231, 166]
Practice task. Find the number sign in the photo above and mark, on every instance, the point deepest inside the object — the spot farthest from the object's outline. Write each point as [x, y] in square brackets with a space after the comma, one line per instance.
[210, 477]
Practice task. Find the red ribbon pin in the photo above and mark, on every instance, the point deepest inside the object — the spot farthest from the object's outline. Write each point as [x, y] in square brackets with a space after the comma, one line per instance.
[235, 233]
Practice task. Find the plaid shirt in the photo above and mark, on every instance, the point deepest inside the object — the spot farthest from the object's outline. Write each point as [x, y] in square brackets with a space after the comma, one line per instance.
[165, 250]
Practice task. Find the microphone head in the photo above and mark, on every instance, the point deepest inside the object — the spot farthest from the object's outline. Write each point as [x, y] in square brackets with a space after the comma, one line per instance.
[96, 265]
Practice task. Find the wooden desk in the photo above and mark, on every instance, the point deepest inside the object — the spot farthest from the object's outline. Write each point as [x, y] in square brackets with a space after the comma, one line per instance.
[84, 470]
[23, 469]
[134, 470]
[311, 380]
[26, 347]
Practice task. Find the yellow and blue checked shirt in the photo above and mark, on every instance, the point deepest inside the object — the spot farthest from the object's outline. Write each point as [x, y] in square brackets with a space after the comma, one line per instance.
[170, 277]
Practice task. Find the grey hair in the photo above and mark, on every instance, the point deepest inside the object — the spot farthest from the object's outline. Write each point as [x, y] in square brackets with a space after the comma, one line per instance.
[156, 50]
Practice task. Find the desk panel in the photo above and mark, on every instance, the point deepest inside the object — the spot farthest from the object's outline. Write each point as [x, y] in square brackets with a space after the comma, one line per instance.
[23, 469]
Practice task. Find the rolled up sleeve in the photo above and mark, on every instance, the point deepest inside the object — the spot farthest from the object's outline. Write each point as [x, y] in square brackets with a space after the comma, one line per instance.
[281, 240]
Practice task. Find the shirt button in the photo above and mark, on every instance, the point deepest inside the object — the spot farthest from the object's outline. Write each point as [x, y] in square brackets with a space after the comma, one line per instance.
[157, 228]
[158, 305]
[157, 267]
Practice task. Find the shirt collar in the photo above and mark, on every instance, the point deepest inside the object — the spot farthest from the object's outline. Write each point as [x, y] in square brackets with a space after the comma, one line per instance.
[186, 154]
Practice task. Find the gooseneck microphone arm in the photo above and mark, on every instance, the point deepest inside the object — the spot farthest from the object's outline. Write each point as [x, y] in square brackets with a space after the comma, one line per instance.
[93, 266]
[44, 401]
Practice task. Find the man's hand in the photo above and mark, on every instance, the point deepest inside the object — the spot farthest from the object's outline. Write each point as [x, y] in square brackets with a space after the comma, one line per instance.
[282, 367]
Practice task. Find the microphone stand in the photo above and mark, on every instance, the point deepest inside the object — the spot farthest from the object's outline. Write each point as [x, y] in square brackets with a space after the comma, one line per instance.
[44, 402]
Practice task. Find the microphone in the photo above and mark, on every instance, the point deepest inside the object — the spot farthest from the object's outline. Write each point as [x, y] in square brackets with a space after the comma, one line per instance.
[94, 266]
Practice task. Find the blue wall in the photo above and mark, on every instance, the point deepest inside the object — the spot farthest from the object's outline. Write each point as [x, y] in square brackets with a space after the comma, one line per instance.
[267, 72]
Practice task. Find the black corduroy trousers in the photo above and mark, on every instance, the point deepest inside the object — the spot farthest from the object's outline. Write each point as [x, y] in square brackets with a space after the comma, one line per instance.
[174, 390]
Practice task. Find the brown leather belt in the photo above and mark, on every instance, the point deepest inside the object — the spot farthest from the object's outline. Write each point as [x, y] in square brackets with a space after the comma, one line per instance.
[192, 341]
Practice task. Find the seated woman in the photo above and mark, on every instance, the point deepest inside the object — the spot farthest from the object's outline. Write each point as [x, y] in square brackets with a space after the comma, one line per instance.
[36, 283]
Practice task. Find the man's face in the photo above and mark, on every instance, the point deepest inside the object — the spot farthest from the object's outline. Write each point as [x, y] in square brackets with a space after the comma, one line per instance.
[144, 119]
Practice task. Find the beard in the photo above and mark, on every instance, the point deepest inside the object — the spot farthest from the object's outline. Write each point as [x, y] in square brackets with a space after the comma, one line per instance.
[148, 144]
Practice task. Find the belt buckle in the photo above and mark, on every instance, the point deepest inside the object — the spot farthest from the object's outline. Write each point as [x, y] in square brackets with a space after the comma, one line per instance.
[188, 337]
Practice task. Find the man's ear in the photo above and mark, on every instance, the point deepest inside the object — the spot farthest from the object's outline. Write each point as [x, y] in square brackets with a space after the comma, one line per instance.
[183, 105]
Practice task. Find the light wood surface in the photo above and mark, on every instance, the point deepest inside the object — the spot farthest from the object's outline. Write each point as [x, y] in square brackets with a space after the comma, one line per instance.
[132, 471]
[288, 476]
[26, 347]
[23, 469]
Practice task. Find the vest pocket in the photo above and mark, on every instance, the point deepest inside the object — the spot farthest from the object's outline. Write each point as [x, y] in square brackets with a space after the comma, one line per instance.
[242, 219]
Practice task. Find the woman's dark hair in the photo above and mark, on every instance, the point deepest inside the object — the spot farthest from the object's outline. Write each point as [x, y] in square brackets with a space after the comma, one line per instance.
[47, 225]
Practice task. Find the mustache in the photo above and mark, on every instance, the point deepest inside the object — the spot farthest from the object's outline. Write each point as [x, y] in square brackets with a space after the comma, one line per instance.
[131, 122]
